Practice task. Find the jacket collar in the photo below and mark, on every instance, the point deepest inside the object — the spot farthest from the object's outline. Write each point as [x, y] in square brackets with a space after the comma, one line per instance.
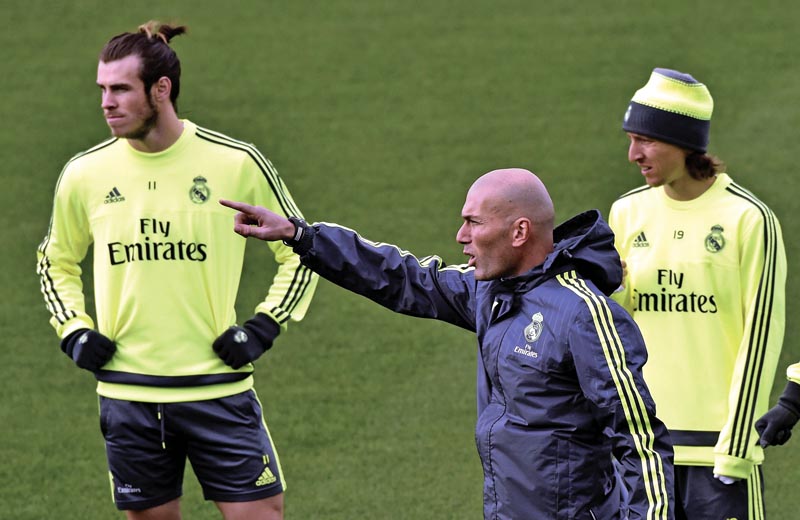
[585, 243]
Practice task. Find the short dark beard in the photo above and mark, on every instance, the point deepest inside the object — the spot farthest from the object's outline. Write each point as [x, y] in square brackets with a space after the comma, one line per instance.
[148, 124]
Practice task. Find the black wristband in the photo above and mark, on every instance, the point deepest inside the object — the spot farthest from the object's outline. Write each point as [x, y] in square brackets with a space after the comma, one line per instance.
[303, 237]
[299, 231]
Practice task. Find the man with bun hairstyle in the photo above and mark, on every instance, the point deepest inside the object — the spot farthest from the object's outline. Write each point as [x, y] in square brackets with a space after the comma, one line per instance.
[705, 282]
[174, 371]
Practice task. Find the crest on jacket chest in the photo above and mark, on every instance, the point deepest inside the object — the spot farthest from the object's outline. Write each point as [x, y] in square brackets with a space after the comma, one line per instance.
[531, 334]
[534, 330]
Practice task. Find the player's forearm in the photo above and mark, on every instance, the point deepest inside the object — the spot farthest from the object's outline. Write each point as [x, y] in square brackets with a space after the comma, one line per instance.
[62, 290]
[291, 291]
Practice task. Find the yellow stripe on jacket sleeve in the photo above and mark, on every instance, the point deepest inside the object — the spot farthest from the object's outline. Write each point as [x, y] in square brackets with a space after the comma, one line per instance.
[630, 398]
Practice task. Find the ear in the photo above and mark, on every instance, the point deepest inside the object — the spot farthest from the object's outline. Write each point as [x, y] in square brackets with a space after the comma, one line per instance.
[520, 231]
[161, 89]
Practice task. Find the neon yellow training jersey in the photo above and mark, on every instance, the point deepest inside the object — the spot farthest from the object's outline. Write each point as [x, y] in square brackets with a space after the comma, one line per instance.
[706, 285]
[793, 373]
[166, 261]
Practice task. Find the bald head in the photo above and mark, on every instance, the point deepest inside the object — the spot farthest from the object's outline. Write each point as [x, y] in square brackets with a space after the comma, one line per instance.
[515, 193]
[508, 223]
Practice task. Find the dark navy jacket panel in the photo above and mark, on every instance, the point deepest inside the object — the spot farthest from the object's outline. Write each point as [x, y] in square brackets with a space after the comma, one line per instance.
[560, 387]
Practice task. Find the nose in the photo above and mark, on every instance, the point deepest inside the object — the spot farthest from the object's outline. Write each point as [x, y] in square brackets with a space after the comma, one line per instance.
[107, 100]
[634, 152]
[462, 236]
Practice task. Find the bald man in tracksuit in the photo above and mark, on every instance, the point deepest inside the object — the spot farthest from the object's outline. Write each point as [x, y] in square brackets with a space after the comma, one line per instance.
[560, 388]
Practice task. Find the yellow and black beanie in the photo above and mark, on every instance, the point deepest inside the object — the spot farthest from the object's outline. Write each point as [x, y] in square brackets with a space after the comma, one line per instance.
[672, 107]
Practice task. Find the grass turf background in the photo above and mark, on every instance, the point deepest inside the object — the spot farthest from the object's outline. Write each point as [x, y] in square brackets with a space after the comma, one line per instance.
[378, 115]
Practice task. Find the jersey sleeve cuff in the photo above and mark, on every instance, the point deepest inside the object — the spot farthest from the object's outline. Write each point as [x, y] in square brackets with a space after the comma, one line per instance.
[793, 373]
[732, 466]
[72, 325]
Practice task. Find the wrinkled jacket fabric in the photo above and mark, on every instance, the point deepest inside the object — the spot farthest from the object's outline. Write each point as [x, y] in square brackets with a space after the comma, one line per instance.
[560, 388]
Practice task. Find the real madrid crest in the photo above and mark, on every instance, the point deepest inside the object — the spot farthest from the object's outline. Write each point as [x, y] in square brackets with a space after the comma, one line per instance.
[715, 241]
[199, 192]
[534, 330]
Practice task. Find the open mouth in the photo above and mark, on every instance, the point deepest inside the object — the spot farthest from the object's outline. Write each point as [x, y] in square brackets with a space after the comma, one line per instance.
[471, 260]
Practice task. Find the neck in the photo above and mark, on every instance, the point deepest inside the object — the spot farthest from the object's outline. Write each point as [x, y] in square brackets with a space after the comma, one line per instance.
[166, 132]
[688, 188]
[536, 255]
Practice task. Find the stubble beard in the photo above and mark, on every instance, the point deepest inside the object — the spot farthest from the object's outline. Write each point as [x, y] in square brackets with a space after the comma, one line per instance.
[150, 122]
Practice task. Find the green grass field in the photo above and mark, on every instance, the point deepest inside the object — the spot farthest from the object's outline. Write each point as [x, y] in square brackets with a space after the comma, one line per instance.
[378, 115]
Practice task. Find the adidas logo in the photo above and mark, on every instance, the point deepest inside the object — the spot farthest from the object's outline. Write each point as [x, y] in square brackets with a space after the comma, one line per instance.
[641, 240]
[114, 196]
[266, 478]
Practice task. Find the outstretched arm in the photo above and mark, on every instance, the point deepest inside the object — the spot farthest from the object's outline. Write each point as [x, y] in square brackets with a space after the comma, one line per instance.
[258, 222]
[384, 273]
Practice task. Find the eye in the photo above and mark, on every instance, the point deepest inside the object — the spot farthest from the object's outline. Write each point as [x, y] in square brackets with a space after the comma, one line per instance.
[640, 139]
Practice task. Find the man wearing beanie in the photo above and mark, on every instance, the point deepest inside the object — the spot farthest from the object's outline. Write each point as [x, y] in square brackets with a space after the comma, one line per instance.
[705, 282]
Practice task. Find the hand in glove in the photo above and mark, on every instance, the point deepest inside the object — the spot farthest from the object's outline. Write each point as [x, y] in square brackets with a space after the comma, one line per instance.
[775, 426]
[88, 348]
[238, 346]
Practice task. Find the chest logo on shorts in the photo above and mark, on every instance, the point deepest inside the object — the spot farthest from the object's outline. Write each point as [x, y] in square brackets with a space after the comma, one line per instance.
[534, 330]
[715, 241]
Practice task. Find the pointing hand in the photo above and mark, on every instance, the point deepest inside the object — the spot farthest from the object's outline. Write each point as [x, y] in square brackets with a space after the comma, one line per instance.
[258, 222]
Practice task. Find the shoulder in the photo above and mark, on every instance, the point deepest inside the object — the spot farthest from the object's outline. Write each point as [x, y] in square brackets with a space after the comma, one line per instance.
[635, 194]
[99, 158]
[590, 313]
[235, 150]
[748, 203]
[98, 152]
[626, 202]
[223, 143]
[577, 312]
[572, 293]
[578, 296]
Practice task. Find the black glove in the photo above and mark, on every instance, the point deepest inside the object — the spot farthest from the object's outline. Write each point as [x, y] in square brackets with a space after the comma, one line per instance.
[238, 346]
[88, 349]
[775, 426]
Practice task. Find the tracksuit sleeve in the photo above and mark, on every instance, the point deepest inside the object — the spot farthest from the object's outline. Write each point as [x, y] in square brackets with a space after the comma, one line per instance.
[609, 353]
[763, 279]
[396, 279]
[59, 257]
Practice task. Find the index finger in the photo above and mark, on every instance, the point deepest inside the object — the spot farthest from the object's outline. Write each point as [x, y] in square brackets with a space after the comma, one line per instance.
[238, 206]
